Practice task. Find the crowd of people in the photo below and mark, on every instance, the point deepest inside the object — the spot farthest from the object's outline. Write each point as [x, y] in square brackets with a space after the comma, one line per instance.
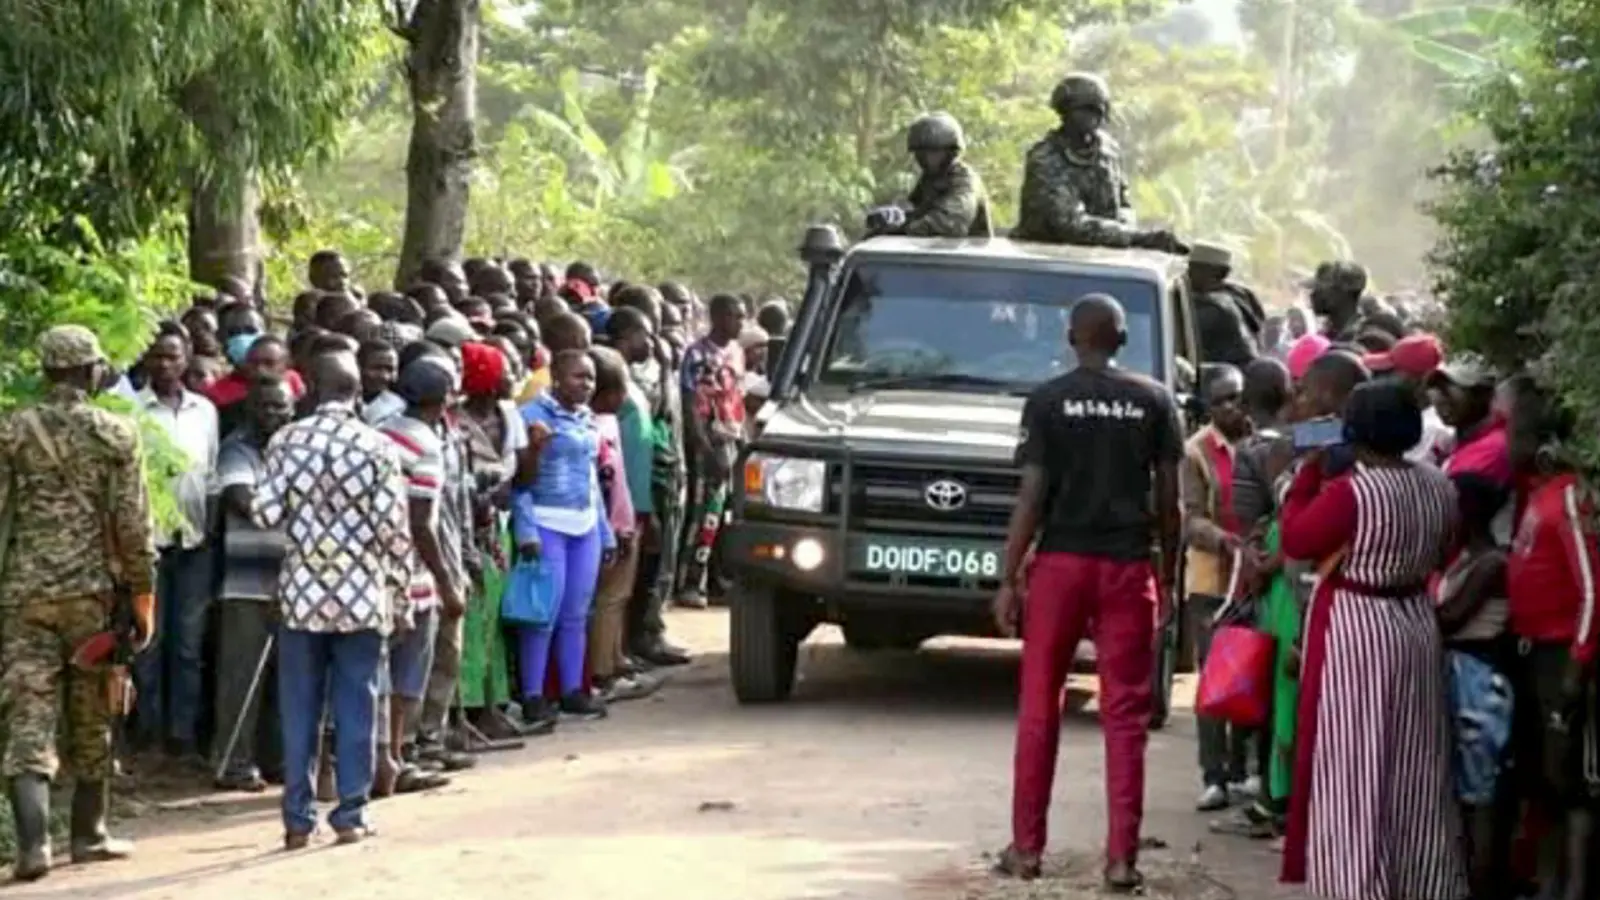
[417, 526]
[1408, 529]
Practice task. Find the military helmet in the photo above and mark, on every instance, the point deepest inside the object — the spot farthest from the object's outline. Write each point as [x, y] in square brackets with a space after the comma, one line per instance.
[1080, 89]
[935, 131]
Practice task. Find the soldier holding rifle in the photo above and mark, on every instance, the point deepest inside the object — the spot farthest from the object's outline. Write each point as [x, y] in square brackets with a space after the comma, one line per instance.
[75, 596]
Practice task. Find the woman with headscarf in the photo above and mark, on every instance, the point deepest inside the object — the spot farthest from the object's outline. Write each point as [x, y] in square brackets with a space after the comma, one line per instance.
[495, 436]
[1372, 811]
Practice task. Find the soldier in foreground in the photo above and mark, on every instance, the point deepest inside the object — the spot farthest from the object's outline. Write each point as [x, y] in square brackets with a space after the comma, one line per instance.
[948, 199]
[1073, 188]
[79, 544]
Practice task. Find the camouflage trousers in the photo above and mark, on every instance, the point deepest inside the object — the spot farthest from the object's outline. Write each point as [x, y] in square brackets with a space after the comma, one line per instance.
[50, 708]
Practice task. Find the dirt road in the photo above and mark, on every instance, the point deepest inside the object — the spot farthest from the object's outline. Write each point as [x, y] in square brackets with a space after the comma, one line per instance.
[887, 777]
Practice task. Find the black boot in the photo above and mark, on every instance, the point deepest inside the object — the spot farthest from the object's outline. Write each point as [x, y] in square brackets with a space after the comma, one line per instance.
[91, 842]
[1579, 840]
[30, 814]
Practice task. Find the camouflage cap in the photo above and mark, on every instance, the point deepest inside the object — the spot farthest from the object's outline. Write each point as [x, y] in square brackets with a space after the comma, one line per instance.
[68, 347]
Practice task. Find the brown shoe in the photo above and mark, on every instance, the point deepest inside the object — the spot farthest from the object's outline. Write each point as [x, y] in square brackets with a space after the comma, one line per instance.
[294, 840]
[347, 836]
[1014, 863]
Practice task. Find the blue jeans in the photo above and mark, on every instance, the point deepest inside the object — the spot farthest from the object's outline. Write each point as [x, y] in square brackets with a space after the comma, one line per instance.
[344, 669]
[167, 674]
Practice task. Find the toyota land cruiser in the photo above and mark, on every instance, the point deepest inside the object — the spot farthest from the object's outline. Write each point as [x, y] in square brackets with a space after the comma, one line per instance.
[877, 491]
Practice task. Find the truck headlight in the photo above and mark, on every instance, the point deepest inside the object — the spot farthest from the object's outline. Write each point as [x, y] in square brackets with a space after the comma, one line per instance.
[786, 483]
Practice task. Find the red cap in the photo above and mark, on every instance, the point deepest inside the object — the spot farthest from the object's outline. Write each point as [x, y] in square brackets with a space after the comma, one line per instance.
[1417, 355]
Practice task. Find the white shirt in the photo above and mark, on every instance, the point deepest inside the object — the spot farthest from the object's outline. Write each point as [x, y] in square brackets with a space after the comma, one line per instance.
[383, 407]
[192, 426]
[1436, 440]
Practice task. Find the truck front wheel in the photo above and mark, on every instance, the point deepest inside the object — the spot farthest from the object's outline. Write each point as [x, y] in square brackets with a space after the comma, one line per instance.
[764, 644]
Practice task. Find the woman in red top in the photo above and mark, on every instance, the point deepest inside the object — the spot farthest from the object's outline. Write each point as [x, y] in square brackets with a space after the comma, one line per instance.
[1551, 577]
[1372, 810]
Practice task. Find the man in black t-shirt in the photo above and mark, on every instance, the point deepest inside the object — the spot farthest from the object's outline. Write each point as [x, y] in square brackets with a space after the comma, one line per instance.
[1094, 443]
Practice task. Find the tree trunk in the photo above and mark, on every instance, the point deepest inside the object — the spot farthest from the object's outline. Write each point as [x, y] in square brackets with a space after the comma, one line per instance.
[441, 68]
[867, 117]
[224, 230]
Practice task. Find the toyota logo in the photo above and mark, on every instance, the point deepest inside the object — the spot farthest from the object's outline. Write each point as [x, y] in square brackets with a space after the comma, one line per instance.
[946, 495]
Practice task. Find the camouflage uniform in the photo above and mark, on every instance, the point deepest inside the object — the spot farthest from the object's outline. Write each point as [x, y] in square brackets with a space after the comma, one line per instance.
[950, 202]
[72, 488]
[57, 579]
[1075, 196]
[1073, 187]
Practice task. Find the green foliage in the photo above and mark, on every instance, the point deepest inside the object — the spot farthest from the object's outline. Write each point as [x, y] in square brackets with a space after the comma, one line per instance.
[163, 461]
[115, 291]
[114, 107]
[1520, 231]
[1465, 43]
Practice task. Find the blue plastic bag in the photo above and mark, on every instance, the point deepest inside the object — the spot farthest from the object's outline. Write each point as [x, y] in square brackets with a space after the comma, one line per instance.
[528, 599]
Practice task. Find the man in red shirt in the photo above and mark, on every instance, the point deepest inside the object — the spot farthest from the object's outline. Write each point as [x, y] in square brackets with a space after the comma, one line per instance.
[1551, 575]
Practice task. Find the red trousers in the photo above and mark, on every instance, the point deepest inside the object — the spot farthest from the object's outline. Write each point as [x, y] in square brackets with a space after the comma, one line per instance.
[1115, 602]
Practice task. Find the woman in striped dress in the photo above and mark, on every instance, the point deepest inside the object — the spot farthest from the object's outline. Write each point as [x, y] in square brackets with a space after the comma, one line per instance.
[1372, 814]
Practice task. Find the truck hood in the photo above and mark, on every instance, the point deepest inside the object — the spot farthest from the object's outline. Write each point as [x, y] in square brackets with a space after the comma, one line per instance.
[903, 422]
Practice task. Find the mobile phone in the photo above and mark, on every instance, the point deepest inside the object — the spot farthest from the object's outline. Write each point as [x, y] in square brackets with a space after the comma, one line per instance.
[1318, 434]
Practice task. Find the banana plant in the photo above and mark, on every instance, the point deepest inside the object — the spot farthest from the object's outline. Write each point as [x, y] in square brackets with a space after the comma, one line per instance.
[636, 169]
[1464, 43]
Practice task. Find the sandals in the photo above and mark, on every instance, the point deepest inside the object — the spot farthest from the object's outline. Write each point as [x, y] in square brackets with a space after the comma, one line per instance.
[413, 780]
[1124, 878]
[1250, 822]
[1014, 863]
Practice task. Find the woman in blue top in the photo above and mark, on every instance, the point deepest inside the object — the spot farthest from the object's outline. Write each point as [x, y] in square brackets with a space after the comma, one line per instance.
[558, 518]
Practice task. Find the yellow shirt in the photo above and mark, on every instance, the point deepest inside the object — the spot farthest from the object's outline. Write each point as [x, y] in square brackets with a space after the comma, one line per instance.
[534, 386]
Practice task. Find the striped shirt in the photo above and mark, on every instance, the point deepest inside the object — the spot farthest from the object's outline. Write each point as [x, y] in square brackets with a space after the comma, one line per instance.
[251, 556]
[421, 452]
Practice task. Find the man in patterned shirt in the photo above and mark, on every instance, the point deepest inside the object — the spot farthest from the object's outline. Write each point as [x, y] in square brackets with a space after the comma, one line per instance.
[335, 486]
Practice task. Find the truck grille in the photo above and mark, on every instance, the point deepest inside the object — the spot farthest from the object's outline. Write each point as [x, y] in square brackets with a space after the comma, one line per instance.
[891, 495]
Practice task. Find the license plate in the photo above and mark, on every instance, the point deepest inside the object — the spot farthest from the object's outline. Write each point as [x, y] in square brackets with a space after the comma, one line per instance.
[927, 558]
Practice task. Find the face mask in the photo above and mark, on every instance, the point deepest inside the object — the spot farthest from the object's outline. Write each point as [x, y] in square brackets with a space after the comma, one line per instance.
[239, 346]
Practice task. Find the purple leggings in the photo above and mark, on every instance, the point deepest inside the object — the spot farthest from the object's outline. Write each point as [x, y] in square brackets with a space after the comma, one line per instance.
[573, 562]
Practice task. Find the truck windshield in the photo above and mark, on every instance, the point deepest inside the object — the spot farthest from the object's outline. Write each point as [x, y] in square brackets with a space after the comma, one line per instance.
[996, 328]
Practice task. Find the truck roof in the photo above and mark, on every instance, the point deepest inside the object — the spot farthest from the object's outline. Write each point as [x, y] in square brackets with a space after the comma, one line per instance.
[1020, 253]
